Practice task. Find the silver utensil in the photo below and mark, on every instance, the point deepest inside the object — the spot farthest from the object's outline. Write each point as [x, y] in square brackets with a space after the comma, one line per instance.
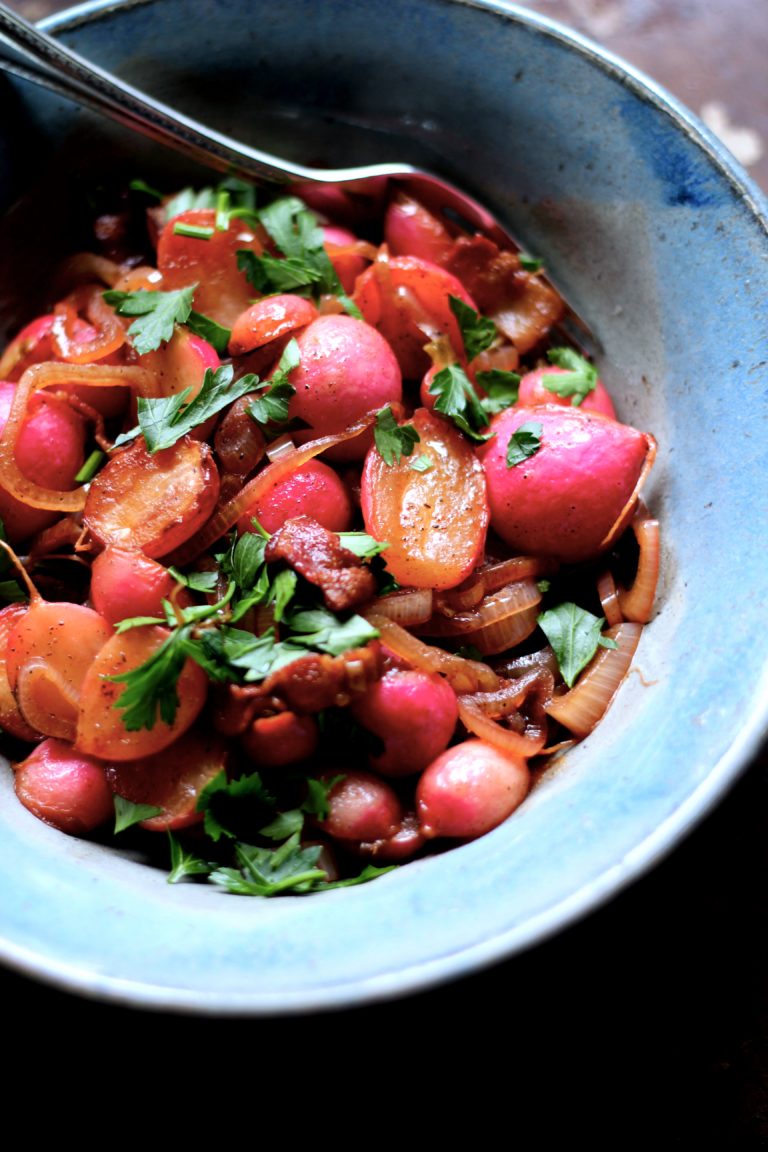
[31, 54]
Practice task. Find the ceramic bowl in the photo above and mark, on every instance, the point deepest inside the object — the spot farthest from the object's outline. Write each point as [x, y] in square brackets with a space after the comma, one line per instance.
[660, 242]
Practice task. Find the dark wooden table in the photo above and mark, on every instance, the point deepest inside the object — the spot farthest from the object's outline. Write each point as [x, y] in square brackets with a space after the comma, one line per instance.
[644, 1025]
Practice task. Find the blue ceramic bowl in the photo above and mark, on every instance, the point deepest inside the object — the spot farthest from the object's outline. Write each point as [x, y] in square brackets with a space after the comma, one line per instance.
[660, 241]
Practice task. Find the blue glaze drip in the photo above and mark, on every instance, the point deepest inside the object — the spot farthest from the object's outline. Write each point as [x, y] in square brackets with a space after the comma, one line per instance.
[684, 173]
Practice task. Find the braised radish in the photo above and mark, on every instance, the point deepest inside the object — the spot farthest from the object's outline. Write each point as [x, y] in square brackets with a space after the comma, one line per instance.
[317, 503]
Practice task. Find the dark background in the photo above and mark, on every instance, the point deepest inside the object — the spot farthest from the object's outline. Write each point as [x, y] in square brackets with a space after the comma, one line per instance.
[644, 1025]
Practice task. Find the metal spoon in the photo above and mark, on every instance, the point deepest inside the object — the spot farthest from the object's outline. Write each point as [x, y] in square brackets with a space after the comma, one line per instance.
[27, 52]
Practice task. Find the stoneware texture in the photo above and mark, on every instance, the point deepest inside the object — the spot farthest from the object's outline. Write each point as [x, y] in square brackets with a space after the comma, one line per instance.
[660, 242]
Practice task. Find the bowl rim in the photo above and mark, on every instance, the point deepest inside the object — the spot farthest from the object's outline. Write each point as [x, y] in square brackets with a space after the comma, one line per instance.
[644, 855]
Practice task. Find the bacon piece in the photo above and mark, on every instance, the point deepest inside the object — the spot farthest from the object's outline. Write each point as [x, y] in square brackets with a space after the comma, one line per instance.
[317, 681]
[309, 684]
[523, 305]
[491, 277]
[316, 554]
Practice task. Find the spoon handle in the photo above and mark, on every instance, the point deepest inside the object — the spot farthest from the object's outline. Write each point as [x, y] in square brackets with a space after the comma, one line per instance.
[27, 52]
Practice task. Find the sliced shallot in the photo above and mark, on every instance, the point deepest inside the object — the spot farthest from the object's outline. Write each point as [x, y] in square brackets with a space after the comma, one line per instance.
[584, 705]
[637, 602]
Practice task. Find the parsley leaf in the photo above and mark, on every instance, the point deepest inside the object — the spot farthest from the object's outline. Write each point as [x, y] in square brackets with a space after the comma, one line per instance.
[224, 802]
[457, 399]
[361, 544]
[127, 813]
[320, 629]
[574, 635]
[189, 199]
[393, 440]
[265, 872]
[164, 420]
[478, 332]
[158, 312]
[370, 872]
[421, 464]
[271, 404]
[580, 380]
[297, 234]
[207, 329]
[198, 581]
[152, 687]
[501, 388]
[530, 263]
[524, 443]
[285, 824]
[184, 863]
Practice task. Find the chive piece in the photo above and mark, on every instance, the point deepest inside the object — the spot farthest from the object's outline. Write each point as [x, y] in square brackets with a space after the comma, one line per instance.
[194, 231]
[222, 211]
[90, 467]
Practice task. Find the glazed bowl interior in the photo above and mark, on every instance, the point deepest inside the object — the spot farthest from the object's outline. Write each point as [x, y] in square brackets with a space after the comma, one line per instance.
[660, 243]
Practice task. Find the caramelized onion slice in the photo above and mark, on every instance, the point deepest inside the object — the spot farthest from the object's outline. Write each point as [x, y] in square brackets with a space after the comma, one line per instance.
[501, 621]
[109, 336]
[488, 578]
[628, 511]
[463, 675]
[407, 607]
[480, 712]
[584, 705]
[637, 602]
[48, 376]
[609, 599]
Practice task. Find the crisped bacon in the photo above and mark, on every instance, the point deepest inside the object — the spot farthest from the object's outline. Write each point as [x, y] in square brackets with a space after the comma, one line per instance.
[316, 681]
[491, 276]
[308, 685]
[316, 554]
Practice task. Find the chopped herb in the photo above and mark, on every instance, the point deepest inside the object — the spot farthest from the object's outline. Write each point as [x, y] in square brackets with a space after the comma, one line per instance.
[270, 407]
[285, 824]
[207, 329]
[90, 467]
[304, 262]
[158, 312]
[147, 189]
[421, 464]
[370, 872]
[281, 592]
[457, 399]
[190, 200]
[222, 210]
[184, 863]
[127, 813]
[320, 629]
[501, 389]
[363, 545]
[530, 263]
[318, 791]
[524, 443]
[478, 332]
[223, 803]
[198, 581]
[193, 231]
[393, 440]
[266, 871]
[469, 652]
[151, 689]
[164, 420]
[574, 635]
[580, 378]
